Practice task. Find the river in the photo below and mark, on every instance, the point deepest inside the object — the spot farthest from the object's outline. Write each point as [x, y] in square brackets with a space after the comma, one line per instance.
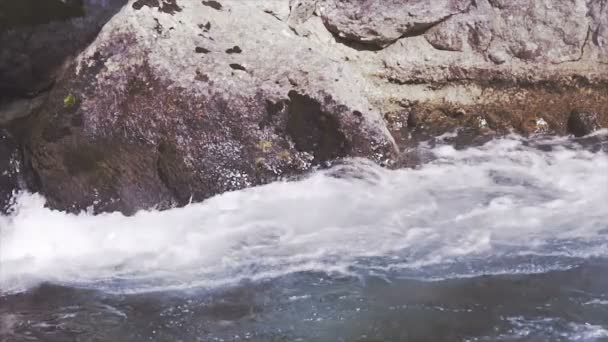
[505, 241]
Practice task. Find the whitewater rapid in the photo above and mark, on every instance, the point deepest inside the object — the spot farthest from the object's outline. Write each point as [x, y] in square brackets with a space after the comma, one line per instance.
[464, 212]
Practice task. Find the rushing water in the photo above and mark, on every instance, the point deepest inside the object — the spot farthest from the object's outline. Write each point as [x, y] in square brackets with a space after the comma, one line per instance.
[504, 241]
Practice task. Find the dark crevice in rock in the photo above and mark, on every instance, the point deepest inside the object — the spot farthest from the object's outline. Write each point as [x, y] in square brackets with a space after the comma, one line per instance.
[582, 123]
[158, 27]
[165, 6]
[596, 36]
[399, 81]
[213, 4]
[496, 4]
[441, 47]
[588, 38]
[276, 16]
[355, 44]
[199, 49]
[201, 77]
[313, 130]
[585, 43]
[420, 29]
[236, 66]
[234, 49]
[415, 30]
[352, 43]
[272, 110]
[31, 177]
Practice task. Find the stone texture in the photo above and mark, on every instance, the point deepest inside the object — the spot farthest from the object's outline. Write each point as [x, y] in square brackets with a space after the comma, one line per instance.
[545, 30]
[598, 11]
[179, 100]
[36, 39]
[156, 123]
[382, 22]
[9, 169]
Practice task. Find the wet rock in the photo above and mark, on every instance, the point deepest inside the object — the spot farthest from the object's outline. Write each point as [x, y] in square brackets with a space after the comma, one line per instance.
[9, 170]
[32, 12]
[583, 123]
[36, 38]
[164, 126]
[176, 106]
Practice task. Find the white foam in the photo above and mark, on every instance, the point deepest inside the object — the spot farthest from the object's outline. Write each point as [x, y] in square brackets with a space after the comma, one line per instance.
[553, 328]
[471, 203]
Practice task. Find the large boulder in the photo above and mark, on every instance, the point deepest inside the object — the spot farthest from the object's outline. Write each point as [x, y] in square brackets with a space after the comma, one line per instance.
[169, 106]
[178, 100]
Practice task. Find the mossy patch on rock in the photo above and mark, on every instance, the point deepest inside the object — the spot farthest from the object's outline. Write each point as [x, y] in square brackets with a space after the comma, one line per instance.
[69, 101]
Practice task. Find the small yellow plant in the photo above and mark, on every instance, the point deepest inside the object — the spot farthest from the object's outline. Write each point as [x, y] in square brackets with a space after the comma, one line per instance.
[69, 101]
[285, 156]
[265, 145]
[260, 162]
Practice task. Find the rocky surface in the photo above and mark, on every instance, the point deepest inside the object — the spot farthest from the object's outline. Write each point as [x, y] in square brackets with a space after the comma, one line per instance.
[179, 100]
[382, 22]
[36, 39]
[9, 169]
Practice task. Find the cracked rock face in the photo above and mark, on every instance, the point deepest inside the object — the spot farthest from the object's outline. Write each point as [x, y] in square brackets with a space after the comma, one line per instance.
[539, 30]
[179, 100]
[382, 22]
[598, 11]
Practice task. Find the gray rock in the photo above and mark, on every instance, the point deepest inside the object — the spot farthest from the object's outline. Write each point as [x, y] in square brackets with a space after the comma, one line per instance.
[153, 122]
[598, 11]
[179, 100]
[468, 31]
[301, 11]
[382, 22]
[533, 30]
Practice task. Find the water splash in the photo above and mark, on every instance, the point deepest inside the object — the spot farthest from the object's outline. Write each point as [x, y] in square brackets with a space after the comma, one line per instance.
[483, 207]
